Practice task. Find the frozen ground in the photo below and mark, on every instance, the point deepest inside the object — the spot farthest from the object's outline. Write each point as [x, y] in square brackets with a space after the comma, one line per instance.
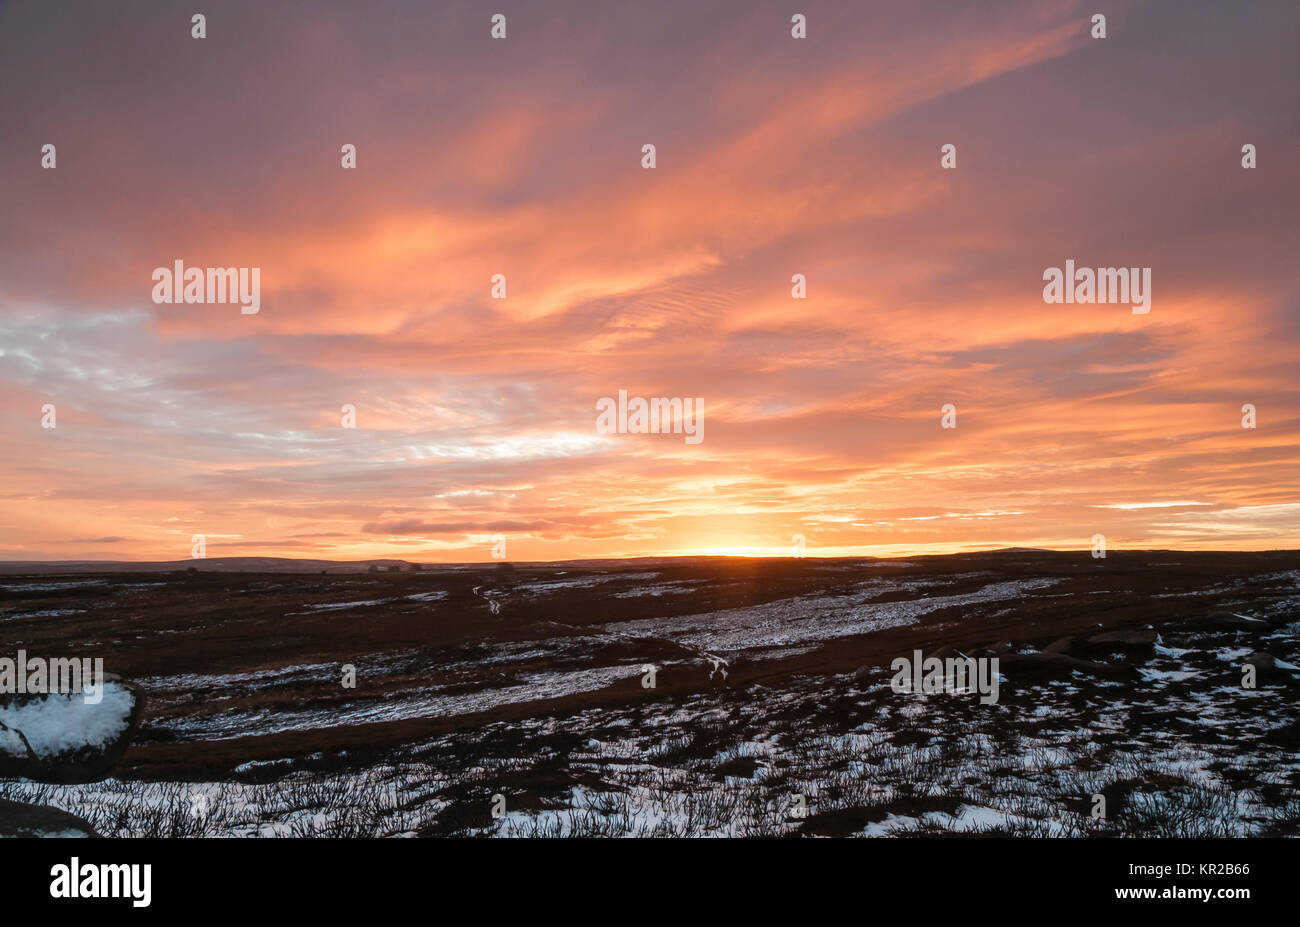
[770, 712]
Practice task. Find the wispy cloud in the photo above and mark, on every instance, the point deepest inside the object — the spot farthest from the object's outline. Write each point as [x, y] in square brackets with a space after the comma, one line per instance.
[475, 416]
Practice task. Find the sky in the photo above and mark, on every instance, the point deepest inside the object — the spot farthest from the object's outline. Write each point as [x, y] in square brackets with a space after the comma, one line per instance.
[476, 417]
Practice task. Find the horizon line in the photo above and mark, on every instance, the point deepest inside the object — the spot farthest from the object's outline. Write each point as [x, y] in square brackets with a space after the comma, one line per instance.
[193, 561]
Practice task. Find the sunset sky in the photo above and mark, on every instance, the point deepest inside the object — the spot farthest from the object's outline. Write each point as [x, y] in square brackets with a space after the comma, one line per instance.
[775, 156]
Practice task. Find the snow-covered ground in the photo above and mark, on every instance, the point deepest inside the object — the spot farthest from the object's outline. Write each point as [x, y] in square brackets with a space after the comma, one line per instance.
[1180, 748]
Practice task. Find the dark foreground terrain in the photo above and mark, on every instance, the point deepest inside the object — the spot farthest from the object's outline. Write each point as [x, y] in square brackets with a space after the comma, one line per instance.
[525, 690]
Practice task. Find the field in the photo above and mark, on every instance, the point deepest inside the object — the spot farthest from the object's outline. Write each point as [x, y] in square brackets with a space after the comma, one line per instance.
[688, 697]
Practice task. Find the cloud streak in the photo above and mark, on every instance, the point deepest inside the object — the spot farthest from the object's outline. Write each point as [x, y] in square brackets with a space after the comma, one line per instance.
[475, 416]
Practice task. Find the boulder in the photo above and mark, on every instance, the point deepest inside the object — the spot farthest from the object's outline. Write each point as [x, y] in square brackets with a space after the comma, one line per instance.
[19, 820]
[65, 739]
[1268, 666]
[946, 652]
[1146, 637]
[1136, 641]
[1057, 666]
[1224, 621]
[1060, 645]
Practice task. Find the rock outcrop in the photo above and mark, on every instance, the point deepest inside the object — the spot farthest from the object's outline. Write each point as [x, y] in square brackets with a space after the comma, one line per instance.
[19, 820]
[63, 739]
[67, 739]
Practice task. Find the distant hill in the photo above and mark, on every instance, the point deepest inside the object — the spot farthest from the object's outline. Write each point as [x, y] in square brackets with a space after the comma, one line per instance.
[292, 565]
[204, 565]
